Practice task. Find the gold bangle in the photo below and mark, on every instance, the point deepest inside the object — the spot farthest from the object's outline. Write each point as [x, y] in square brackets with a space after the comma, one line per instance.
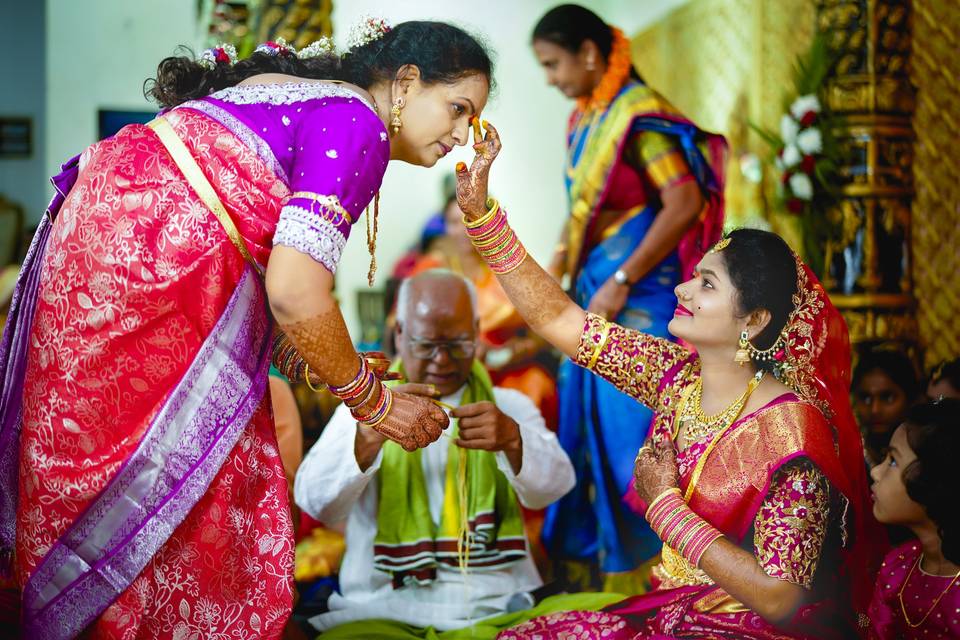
[306, 378]
[604, 336]
[493, 208]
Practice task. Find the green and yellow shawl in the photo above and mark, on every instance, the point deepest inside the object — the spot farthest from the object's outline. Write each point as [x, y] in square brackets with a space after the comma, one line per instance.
[481, 527]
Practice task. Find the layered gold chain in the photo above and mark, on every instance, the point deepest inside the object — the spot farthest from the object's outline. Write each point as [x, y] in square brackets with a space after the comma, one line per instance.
[698, 425]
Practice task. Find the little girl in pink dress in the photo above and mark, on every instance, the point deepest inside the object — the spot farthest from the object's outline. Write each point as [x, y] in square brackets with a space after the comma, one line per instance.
[918, 589]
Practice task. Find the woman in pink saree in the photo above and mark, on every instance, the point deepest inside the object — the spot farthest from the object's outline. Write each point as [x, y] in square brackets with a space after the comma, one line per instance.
[753, 475]
[143, 495]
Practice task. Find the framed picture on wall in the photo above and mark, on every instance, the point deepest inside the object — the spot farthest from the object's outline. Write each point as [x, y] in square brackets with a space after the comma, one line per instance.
[16, 137]
[109, 121]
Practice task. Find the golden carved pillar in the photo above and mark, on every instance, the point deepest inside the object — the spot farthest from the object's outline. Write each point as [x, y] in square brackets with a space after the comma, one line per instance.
[868, 271]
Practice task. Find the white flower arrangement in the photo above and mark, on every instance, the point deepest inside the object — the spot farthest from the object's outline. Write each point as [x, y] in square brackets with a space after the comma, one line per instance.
[222, 53]
[322, 47]
[366, 31]
[276, 47]
[806, 154]
[801, 148]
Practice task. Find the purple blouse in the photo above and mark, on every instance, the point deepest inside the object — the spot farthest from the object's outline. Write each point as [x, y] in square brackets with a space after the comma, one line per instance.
[324, 141]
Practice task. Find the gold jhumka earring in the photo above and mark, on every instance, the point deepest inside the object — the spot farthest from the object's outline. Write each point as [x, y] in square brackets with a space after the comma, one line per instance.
[742, 356]
[396, 123]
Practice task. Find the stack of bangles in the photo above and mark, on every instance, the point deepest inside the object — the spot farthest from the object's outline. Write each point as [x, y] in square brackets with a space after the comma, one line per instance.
[354, 394]
[288, 360]
[679, 527]
[495, 240]
[358, 392]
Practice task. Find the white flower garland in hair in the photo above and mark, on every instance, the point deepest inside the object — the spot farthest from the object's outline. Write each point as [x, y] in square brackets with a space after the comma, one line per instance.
[222, 53]
[366, 31]
[322, 47]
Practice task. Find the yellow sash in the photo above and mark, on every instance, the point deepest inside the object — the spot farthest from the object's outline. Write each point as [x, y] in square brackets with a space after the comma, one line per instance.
[199, 183]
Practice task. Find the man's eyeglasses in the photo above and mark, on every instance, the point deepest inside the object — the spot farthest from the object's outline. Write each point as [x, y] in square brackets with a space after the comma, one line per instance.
[428, 349]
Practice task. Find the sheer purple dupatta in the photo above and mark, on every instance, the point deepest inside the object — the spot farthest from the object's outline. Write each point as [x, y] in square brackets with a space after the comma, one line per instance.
[13, 360]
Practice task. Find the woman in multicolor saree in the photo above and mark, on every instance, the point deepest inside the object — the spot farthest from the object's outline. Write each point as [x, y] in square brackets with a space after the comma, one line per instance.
[152, 501]
[753, 475]
[645, 188]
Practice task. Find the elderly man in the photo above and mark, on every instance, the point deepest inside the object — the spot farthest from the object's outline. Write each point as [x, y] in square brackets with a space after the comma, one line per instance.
[406, 511]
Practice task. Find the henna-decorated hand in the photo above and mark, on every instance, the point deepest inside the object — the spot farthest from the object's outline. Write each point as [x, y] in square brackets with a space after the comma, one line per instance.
[472, 182]
[413, 422]
[655, 470]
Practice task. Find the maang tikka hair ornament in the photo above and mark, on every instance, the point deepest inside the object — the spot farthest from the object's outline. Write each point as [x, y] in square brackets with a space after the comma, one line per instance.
[720, 246]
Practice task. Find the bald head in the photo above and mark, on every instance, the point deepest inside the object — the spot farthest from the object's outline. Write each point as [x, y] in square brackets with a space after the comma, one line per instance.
[437, 291]
[437, 329]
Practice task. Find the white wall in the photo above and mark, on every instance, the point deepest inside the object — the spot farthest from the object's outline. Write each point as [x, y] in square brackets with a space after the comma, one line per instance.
[23, 180]
[99, 52]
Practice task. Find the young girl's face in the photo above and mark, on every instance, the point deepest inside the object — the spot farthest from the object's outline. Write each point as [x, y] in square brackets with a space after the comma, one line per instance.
[891, 504]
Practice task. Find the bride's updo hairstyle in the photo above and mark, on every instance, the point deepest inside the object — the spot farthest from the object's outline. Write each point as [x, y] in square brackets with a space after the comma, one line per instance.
[764, 272]
[442, 52]
[933, 432]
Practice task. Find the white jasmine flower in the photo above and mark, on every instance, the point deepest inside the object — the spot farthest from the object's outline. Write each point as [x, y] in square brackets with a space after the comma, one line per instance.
[810, 141]
[801, 186]
[788, 128]
[791, 156]
[803, 104]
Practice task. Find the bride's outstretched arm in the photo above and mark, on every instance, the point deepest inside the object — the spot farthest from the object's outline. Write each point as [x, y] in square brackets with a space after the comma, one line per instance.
[535, 294]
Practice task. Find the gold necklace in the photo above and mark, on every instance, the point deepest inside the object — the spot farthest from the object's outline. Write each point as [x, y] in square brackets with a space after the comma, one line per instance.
[699, 424]
[935, 602]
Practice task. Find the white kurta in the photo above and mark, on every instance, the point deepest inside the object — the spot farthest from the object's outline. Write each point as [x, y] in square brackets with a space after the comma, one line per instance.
[331, 487]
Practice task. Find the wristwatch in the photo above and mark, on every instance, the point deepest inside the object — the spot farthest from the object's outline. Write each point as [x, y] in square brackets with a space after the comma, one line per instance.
[620, 277]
